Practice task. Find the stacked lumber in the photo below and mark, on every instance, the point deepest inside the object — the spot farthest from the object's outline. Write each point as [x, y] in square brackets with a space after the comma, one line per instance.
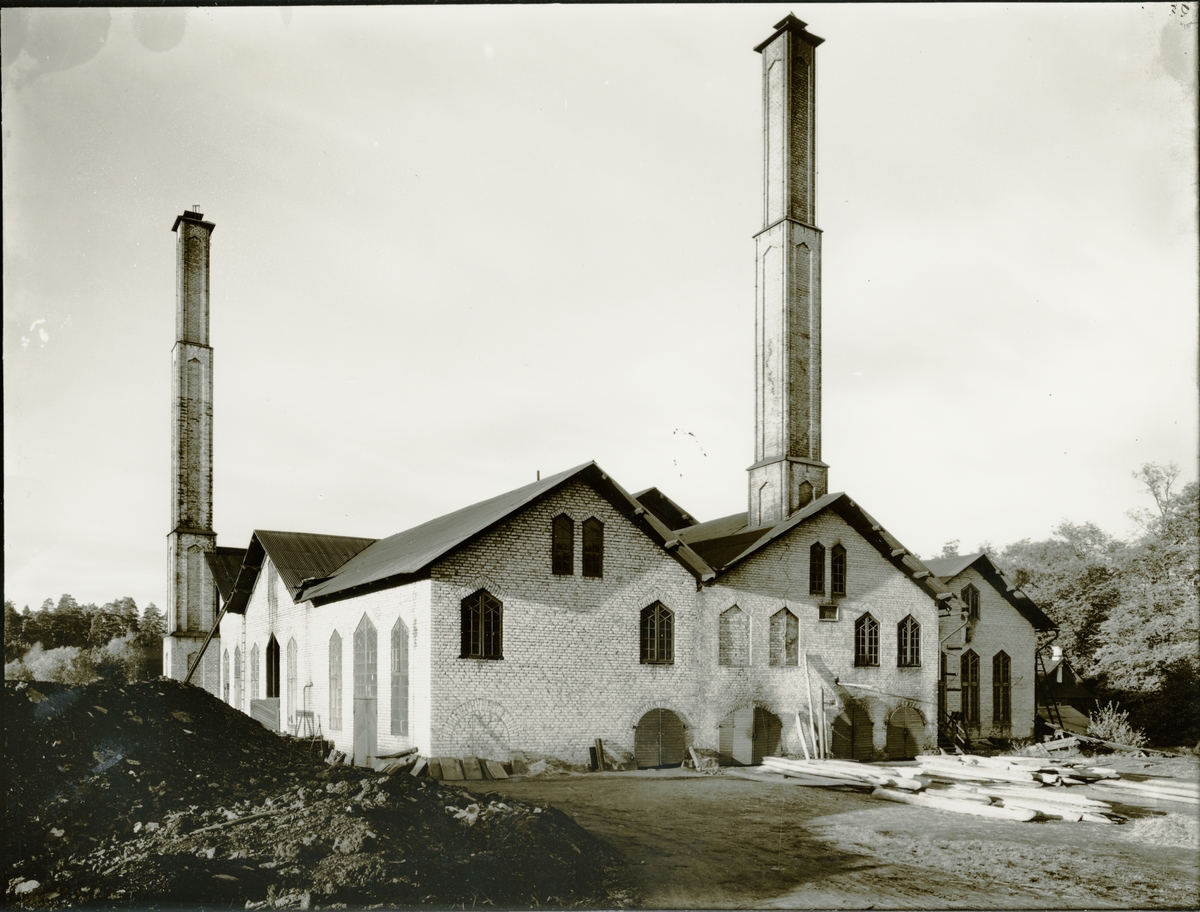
[1010, 768]
[843, 772]
[1130, 791]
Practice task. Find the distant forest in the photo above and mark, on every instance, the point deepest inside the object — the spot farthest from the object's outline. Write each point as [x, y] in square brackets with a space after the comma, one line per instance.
[1128, 614]
[79, 644]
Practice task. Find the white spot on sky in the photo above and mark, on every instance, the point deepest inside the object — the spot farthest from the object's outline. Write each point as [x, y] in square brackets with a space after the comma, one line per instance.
[489, 52]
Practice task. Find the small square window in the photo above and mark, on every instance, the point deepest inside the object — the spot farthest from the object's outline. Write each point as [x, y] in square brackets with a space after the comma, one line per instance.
[828, 612]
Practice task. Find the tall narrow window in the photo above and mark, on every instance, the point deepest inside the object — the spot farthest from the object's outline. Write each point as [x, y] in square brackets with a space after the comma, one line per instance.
[366, 661]
[593, 547]
[399, 678]
[482, 626]
[837, 571]
[335, 681]
[254, 672]
[785, 638]
[237, 677]
[969, 681]
[293, 677]
[658, 635]
[970, 597]
[908, 642]
[225, 676]
[1001, 688]
[562, 545]
[866, 641]
[816, 569]
[272, 667]
[734, 647]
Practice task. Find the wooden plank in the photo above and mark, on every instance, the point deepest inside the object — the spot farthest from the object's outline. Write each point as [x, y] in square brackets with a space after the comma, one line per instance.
[800, 732]
[955, 806]
[435, 768]
[470, 767]
[599, 755]
[417, 767]
[451, 769]
[495, 769]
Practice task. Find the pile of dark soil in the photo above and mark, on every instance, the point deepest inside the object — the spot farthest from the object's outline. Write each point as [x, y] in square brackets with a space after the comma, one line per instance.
[158, 792]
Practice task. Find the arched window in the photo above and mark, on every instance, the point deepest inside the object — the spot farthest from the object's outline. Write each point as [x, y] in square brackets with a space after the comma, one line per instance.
[908, 642]
[866, 641]
[272, 667]
[658, 635]
[293, 677]
[969, 681]
[399, 678]
[237, 677]
[366, 661]
[837, 571]
[593, 547]
[1001, 688]
[335, 681]
[816, 569]
[970, 597]
[734, 637]
[225, 676]
[482, 626]
[254, 672]
[785, 638]
[562, 545]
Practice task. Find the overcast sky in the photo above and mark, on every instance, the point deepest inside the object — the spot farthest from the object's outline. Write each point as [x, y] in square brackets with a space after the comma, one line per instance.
[456, 246]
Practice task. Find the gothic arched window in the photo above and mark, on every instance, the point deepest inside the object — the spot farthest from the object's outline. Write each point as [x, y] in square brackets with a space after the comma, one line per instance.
[482, 626]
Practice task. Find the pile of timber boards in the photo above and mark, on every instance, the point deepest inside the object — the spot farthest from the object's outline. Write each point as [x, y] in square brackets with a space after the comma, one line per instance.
[1005, 787]
[451, 769]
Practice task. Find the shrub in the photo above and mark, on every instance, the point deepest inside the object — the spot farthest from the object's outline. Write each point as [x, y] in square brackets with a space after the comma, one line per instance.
[1111, 724]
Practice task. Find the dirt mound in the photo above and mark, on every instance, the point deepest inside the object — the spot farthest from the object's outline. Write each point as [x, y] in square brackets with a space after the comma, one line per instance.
[159, 792]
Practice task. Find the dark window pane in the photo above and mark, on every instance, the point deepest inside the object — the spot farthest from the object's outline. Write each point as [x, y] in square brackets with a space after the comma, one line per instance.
[563, 545]
[593, 547]
[816, 569]
[837, 569]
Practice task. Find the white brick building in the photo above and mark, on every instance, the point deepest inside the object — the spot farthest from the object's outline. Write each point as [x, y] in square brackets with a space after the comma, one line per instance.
[570, 610]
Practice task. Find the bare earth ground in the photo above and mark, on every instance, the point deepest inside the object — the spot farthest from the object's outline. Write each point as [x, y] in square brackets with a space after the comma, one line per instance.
[690, 841]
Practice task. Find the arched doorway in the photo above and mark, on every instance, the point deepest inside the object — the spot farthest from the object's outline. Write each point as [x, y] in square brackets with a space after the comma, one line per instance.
[659, 740]
[853, 734]
[747, 735]
[905, 733]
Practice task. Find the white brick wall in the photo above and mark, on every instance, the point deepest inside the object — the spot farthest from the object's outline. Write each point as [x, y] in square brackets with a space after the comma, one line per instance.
[1000, 627]
[572, 670]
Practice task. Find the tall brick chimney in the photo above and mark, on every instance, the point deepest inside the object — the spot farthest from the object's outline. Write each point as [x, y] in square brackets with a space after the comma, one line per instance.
[788, 472]
[192, 596]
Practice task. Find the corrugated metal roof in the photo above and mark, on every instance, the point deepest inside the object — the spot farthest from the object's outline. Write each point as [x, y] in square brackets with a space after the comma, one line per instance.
[947, 568]
[224, 564]
[299, 556]
[404, 555]
[669, 513]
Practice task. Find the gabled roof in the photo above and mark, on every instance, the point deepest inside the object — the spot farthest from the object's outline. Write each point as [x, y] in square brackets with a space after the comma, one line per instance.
[669, 513]
[729, 541]
[224, 565]
[408, 555]
[297, 556]
[947, 568]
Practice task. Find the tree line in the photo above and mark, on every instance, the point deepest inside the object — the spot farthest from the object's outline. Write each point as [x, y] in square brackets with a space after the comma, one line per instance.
[78, 644]
[1128, 612]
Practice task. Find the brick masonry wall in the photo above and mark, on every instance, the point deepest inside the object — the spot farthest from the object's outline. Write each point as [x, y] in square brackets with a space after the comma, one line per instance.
[777, 578]
[1000, 627]
[572, 668]
[312, 628]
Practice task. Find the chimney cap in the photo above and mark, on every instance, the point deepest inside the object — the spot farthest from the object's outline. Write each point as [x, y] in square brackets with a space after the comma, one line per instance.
[790, 23]
[193, 215]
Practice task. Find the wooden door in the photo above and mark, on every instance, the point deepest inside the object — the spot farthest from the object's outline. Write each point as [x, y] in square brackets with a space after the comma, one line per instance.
[853, 735]
[905, 733]
[767, 735]
[659, 740]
